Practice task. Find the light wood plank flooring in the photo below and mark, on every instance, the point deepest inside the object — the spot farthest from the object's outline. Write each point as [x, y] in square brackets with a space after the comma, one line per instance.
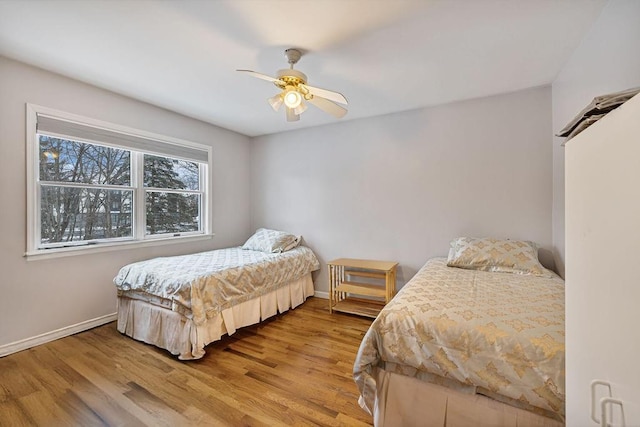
[294, 369]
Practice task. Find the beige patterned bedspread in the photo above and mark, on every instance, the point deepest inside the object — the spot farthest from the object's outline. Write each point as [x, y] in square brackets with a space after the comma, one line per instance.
[499, 332]
[201, 285]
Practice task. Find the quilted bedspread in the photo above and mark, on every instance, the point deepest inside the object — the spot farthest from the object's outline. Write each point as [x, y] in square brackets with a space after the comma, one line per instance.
[201, 285]
[498, 332]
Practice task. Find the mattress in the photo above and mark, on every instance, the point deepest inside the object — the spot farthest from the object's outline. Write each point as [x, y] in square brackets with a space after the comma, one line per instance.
[498, 334]
[201, 286]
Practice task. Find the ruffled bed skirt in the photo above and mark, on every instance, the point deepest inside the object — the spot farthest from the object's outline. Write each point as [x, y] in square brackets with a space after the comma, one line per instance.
[407, 401]
[178, 334]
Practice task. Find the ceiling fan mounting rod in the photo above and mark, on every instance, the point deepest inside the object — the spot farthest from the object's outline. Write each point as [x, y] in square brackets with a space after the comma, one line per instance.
[293, 56]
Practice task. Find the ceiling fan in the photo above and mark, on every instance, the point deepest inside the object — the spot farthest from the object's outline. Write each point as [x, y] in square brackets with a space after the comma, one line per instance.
[295, 92]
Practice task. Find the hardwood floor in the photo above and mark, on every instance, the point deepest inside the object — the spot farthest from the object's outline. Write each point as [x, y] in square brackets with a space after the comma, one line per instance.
[294, 369]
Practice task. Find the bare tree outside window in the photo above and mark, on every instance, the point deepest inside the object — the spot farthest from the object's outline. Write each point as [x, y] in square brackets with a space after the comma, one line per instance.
[77, 198]
[80, 199]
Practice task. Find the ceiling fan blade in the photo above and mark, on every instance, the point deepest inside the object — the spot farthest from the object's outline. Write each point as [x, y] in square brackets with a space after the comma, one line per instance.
[260, 76]
[324, 93]
[291, 115]
[328, 106]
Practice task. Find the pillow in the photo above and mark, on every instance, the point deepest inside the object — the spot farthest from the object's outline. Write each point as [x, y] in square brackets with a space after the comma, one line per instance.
[508, 256]
[271, 241]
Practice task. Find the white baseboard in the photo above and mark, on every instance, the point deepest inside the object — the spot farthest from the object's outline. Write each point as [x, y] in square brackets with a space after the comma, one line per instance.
[24, 344]
[321, 294]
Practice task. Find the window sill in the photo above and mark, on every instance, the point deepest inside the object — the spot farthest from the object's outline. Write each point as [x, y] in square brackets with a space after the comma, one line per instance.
[108, 247]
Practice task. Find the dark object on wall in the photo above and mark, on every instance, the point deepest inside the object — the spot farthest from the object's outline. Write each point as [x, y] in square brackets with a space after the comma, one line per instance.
[597, 109]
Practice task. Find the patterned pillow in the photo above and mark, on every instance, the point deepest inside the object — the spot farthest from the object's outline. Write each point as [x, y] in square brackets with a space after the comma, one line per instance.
[508, 256]
[271, 241]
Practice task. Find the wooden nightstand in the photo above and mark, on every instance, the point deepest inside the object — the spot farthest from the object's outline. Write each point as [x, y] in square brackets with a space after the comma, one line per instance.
[343, 292]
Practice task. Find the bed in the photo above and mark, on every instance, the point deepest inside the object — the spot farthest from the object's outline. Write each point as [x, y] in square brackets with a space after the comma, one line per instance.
[183, 303]
[459, 345]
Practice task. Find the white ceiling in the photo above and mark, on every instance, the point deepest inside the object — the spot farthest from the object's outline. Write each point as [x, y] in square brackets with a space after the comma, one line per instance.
[385, 56]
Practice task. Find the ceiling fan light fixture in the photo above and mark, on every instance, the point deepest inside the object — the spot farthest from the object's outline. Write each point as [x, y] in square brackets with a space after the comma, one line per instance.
[300, 108]
[292, 98]
[291, 115]
[275, 102]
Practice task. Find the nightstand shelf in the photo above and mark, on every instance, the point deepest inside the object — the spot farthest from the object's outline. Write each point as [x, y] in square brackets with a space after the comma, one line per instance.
[351, 279]
[362, 289]
[359, 306]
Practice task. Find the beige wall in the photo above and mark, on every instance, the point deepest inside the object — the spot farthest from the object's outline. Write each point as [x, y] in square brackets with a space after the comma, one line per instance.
[401, 186]
[606, 61]
[38, 297]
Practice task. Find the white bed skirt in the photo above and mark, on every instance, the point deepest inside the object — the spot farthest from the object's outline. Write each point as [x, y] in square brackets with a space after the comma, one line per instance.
[407, 401]
[180, 336]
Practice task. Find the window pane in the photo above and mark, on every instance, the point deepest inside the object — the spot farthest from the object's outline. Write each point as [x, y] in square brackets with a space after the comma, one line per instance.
[172, 212]
[77, 214]
[164, 172]
[63, 160]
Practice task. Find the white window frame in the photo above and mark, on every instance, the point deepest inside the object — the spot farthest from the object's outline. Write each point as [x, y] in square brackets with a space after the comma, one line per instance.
[139, 238]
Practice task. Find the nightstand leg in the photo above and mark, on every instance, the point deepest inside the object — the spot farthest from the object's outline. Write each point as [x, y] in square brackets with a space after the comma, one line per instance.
[331, 287]
[387, 286]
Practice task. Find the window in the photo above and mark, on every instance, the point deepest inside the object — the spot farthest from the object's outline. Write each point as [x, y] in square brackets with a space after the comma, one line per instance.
[172, 195]
[96, 184]
[79, 183]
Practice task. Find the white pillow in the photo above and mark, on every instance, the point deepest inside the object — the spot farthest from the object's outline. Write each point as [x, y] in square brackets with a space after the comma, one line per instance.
[271, 241]
[486, 254]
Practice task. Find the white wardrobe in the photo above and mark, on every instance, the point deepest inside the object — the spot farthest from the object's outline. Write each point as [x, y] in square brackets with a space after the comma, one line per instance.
[602, 187]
